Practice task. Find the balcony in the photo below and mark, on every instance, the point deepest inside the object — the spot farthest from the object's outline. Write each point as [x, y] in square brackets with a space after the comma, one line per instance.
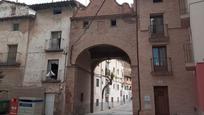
[161, 66]
[158, 33]
[107, 72]
[189, 60]
[10, 59]
[53, 45]
[183, 7]
[184, 13]
[51, 77]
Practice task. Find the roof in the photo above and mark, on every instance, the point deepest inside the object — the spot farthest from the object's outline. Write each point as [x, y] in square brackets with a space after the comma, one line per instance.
[42, 6]
[17, 3]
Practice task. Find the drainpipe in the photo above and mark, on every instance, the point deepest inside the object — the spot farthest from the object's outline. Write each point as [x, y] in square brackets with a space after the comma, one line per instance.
[137, 45]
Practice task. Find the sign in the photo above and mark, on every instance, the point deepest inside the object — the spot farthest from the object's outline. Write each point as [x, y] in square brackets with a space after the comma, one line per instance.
[147, 102]
[30, 106]
[13, 106]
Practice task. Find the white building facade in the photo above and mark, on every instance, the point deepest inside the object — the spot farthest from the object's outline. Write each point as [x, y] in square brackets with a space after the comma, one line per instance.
[117, 93]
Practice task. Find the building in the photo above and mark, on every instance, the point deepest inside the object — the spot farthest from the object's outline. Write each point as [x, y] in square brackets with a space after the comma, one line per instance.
[194, 46]
[116, 93]
[33, 53]
[150, 37]
[48, 53]
[16, 19]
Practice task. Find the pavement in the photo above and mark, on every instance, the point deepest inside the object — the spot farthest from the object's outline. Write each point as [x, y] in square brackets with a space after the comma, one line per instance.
[125, 109]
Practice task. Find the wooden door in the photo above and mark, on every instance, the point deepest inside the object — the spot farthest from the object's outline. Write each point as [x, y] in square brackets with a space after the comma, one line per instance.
[161, 100]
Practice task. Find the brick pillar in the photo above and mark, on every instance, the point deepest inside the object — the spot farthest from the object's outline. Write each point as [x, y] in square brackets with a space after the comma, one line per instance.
[135, 89]
[70, 90]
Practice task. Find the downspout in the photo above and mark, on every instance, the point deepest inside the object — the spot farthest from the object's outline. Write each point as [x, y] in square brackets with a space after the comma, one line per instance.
[137, 50]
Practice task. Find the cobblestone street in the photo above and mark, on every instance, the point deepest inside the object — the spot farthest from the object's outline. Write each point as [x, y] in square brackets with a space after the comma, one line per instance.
[125, 109]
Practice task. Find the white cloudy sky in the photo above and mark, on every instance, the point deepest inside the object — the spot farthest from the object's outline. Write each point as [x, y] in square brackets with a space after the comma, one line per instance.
[82, 1]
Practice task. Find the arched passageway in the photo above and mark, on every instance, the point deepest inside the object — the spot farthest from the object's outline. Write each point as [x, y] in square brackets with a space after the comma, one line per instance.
[82, 72]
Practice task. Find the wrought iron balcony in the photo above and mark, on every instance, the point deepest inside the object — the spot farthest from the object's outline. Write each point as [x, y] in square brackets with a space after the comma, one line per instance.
[10, 59]
[53, 45]
[161, 66]
[52, 76]
[189, 60]
[158, 33]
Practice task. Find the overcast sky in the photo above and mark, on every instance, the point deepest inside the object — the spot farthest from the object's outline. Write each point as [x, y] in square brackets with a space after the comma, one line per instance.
[85, 2]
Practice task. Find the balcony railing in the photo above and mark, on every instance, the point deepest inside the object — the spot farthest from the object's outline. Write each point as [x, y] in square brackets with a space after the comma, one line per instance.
[158, 33]
[189, 59]
[53, 45]
[10, 59]
[52, 77]
[183, 5]
[161, 66]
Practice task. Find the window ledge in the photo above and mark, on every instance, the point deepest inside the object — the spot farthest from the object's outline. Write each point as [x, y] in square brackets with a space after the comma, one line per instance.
[10, 64]
[162, 73]
[51, 81]
[54, 50]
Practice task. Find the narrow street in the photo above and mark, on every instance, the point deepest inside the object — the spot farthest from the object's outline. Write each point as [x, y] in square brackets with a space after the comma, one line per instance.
[125, 109]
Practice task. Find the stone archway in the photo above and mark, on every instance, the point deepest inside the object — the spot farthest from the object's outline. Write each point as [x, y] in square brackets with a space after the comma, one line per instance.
[79, 90]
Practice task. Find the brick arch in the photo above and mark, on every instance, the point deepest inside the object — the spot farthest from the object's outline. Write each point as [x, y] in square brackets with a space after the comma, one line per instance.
[123, 50]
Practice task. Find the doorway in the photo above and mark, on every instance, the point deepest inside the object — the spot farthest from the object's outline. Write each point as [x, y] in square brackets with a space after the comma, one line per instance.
[161, 100]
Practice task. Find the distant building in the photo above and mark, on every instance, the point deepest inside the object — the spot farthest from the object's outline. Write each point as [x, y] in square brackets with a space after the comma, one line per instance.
[119, 92]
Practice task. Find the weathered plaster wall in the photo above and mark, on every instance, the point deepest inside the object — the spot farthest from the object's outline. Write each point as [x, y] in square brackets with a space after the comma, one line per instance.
[44, 24]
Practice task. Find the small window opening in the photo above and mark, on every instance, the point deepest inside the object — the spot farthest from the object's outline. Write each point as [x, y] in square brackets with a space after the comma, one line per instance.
[113, 22]
[57, 11]
[16, 27]
[157, 1]
[85, 24]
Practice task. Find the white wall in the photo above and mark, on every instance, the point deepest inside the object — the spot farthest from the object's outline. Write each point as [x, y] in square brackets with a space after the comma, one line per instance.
[115, 93]
[197, 28]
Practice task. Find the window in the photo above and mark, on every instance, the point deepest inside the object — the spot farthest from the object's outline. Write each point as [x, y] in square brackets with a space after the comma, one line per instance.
[13, 10]
[112, 99]
[118, 87]
[113, 69]
[113, 22]
[12, 54]
[85, 24]
[52, 69]
[117, 99]
[156, 1]
[107, 99]
[57, 11]
[159, 58]
[97, 82]
[55, 42]
[16, 27]
[107, 70]
[97, 102]
[156, 24]
[82, 97]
